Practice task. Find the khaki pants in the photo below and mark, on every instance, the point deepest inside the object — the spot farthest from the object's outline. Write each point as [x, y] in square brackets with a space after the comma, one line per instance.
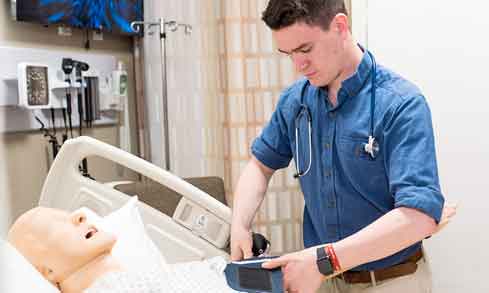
[419, 282]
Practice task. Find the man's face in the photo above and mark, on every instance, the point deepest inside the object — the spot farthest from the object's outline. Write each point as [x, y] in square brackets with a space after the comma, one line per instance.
[57, 242]
[317, 54]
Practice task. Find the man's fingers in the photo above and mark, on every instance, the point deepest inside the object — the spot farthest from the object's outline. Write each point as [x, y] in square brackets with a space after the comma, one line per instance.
[236, 254]
[275, 263]
[247, 252]
[240, 253]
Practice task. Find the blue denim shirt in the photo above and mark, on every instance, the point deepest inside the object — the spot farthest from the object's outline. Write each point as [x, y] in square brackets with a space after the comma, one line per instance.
[345, 189]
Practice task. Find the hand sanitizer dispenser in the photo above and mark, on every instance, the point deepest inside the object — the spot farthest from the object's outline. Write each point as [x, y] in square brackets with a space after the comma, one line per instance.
[119, 79]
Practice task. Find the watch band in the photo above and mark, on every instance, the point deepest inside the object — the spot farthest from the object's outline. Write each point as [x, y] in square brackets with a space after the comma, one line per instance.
[324, 262]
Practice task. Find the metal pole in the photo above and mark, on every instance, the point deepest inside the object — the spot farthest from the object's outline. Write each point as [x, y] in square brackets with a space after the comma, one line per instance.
[164, 85]
[172, 26]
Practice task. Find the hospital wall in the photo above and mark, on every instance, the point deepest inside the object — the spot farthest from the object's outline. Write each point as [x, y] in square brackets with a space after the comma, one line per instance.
[443, 47]
[23, 157]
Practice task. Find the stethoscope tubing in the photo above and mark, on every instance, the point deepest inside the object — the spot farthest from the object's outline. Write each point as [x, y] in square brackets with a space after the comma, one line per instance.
[305, 109]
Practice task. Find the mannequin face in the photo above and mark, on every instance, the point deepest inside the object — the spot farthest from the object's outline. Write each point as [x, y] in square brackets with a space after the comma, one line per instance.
[58, 243]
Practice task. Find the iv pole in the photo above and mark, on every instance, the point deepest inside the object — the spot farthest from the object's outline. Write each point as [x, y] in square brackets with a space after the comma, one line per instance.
[165, 26]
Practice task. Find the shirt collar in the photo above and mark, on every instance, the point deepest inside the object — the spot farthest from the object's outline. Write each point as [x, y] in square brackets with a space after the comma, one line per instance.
[355, 83]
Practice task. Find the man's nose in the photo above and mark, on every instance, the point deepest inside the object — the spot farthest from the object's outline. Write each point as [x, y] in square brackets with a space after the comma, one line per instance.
[300, 63]
[78, 218]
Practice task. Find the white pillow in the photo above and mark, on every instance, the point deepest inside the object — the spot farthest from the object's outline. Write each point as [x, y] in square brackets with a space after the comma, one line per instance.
[17, 275]
[133, 249]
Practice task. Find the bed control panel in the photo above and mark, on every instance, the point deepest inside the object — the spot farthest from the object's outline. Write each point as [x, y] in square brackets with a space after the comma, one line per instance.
[202, 223]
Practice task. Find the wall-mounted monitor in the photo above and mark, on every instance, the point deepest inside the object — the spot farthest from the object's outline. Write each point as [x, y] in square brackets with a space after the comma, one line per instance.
[105, 15]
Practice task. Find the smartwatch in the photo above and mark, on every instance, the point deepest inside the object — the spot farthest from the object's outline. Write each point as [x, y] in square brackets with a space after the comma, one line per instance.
[323, 261]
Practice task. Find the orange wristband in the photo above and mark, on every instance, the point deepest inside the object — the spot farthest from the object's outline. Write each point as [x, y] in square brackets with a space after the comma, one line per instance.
[334, 259]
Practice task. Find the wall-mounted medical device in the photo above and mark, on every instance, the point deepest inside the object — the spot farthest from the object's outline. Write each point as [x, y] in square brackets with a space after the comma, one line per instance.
[202, 223]
[33, 86]
[44, 69]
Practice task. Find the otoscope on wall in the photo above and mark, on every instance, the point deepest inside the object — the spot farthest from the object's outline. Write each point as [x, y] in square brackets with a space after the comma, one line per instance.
[68, 65]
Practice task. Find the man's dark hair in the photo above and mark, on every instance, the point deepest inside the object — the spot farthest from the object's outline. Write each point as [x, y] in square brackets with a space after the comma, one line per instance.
[283, 13]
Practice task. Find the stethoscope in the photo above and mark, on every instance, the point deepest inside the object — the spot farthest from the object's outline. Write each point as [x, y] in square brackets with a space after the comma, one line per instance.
[371, 147]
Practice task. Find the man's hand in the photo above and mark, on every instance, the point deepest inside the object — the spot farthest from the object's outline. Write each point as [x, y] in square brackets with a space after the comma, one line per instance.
[241, 244]
[300, 271]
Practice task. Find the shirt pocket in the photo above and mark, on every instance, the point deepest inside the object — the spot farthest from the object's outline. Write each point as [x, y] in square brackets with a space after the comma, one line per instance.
[354, 149]
[366, 175]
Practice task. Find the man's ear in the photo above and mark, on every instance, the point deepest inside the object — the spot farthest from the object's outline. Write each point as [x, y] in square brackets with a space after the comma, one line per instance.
[340, 23]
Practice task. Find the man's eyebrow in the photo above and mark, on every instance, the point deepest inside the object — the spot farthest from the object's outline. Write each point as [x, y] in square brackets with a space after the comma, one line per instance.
[296, 49]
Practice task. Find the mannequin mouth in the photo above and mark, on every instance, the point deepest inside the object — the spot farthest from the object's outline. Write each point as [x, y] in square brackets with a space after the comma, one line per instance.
[91, 232]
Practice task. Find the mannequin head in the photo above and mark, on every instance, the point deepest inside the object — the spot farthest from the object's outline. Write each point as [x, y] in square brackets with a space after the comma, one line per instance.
[58, 243]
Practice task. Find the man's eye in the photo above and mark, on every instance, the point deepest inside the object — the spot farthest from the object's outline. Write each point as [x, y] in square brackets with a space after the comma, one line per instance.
[306, 50]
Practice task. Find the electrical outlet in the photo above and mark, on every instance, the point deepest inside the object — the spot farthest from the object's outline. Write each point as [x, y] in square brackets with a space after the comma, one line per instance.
[65, 31]
[97, 35]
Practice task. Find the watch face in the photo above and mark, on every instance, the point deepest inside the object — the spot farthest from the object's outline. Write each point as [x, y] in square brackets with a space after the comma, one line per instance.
[37, 86]
[325, 266]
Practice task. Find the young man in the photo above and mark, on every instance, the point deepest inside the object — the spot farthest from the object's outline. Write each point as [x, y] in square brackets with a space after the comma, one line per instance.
[362, 141]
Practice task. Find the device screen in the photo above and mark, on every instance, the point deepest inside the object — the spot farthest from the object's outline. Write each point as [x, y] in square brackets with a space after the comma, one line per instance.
[257, 279]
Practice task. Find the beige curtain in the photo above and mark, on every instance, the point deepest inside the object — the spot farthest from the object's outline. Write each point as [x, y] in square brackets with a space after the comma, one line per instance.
[195, 105]
[254, 75]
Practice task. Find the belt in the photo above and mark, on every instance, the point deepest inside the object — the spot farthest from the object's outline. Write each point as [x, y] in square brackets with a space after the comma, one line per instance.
[409, 266]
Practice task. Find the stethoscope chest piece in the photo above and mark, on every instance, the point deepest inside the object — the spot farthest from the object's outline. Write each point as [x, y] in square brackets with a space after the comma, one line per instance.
[372, 147]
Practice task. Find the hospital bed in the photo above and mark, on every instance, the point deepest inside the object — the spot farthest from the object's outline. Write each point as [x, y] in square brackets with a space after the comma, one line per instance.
[198, 229]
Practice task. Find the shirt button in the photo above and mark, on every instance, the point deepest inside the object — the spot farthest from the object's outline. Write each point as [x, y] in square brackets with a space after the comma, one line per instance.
[328, 174]
[332, 115]
[332, 231]
[327, 146]
[331, 203]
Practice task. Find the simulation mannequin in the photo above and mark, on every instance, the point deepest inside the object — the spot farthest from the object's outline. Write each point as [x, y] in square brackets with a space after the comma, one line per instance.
[63, 247]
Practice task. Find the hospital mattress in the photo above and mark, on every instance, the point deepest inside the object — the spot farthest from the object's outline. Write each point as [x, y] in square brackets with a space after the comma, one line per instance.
[165, 199]
[198, 229]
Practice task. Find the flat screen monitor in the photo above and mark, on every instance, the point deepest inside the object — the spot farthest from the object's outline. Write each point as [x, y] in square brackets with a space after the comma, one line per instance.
[106, 15]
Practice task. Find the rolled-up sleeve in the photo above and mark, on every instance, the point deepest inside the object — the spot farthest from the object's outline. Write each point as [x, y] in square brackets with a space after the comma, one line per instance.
[411, 158]
[272, 147]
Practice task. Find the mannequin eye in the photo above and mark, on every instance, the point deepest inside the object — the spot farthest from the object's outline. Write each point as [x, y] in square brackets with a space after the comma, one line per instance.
[81, 219]
[78, 218]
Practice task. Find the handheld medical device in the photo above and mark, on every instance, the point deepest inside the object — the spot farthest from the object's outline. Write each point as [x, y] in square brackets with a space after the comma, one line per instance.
[249, 276]
[371, 147]
[33, 86]
[260, 244]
